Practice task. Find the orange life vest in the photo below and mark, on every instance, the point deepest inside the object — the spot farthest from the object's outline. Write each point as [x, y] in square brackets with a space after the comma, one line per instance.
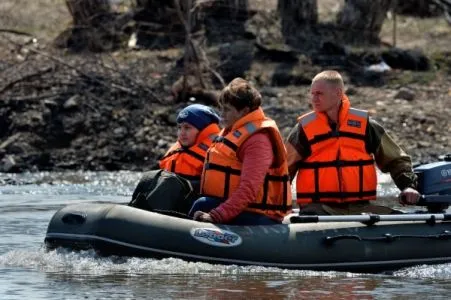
[339, 168]
[222, 169]
[189, 162]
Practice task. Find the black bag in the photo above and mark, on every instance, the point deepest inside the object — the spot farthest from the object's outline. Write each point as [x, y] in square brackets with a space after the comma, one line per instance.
[164, 192]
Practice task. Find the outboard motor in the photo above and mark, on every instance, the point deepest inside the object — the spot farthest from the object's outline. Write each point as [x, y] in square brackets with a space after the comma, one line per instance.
[434, 183]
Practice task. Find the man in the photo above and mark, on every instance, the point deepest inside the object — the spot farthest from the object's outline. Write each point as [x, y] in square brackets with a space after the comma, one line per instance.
[333, 151]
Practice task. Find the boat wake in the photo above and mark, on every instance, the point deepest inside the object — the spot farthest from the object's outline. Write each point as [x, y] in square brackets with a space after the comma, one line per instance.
[88, 263]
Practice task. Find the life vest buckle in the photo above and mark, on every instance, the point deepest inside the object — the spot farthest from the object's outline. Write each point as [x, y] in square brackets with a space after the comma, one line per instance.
[334, 133]
[218, 139]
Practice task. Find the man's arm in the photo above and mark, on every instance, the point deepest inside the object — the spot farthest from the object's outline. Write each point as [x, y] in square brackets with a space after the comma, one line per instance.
[389, 156]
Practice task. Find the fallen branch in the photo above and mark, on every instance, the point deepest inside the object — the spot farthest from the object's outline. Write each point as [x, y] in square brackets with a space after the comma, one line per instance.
[38, 97]
[14, 31]
[10, 140]
[40, 72]
[128, 77]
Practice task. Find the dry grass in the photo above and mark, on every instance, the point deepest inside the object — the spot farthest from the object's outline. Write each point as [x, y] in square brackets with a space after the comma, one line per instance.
[428, 34]
[44, 19]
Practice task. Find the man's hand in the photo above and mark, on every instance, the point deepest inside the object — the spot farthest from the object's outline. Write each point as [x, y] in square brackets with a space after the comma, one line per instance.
[409, 196]
[202, 216]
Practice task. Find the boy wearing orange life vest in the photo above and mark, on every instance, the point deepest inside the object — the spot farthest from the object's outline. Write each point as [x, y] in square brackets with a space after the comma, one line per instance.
[333, 151]
[197, 128]
[173, 188]
[245, 177]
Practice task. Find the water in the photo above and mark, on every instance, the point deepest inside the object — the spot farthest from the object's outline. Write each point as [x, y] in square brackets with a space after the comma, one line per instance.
[27, 271]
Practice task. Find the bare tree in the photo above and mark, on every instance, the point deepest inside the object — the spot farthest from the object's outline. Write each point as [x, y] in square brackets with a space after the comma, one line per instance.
[159, 23]
[230, 9]
[421, 8]
[87, 12]
[361, 20]
[195, 79]
[224, 19]
[95, 26]
[297, 15]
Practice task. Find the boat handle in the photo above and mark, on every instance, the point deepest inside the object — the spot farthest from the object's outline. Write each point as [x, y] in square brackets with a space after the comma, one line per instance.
[74, 218]
[388, 237]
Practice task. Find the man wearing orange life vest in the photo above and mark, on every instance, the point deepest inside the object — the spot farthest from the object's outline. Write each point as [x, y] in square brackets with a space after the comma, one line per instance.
[245, 178]
[197, 128]
[333, 151]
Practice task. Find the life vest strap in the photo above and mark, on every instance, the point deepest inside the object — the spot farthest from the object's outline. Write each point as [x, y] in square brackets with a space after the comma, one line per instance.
[283, 178]
[195, 155]
[173, 152]
[334, 163]
[334, 134]
[227, 170]
[227, 142]
[187, 151]
[268, 178]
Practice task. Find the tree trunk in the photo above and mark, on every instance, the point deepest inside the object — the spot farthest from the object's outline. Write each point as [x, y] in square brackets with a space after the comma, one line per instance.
[93, 27]
[361, 20]
[297, 15]
[419, 8]
[87, 12]
[228, 9]
[225, 19]
[160, 25]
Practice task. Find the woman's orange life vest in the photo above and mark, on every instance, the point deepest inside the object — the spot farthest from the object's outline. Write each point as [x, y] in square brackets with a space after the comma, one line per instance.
[222, 169]
[189, 162]
[339, 168]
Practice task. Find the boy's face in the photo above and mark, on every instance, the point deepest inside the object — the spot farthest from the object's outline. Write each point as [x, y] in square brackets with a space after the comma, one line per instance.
[187, 134]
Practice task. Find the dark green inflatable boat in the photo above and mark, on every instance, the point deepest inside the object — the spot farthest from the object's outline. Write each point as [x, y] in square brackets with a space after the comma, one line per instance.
[360, 243]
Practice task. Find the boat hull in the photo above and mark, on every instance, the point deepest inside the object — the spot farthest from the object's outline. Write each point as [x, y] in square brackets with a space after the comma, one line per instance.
[113, 229]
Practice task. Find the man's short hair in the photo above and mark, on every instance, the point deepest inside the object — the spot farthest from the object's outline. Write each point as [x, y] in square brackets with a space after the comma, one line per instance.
[330, 76]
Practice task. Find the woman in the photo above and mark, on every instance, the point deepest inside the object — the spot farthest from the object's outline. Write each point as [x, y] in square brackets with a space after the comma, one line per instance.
[197, 128]
[245, 177]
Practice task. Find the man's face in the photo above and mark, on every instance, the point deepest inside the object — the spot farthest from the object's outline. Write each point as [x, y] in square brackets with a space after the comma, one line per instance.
[324, 96]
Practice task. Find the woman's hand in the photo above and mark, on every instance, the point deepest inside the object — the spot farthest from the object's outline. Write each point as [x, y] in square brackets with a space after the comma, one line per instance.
[409, 196]
[202, 217]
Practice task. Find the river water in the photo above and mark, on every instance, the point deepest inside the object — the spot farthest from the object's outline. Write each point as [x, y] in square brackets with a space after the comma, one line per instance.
[27, 271]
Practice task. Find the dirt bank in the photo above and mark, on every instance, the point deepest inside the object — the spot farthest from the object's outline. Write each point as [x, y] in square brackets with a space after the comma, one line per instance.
[113, 111]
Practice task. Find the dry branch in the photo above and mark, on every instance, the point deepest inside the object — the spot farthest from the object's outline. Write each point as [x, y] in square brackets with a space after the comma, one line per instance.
[14, 31]
[24, 78]
[81, 72]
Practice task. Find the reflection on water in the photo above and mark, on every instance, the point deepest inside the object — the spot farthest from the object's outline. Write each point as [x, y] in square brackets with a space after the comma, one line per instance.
[28, 271]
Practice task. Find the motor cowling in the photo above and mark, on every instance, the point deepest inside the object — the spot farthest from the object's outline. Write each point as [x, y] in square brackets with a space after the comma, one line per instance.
[434, 178]
[434, 183]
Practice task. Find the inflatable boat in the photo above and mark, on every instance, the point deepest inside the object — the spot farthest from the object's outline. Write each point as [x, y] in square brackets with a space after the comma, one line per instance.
[356, 243]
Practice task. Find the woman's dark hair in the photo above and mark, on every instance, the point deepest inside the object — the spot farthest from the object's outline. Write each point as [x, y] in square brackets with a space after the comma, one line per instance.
[240, 94]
